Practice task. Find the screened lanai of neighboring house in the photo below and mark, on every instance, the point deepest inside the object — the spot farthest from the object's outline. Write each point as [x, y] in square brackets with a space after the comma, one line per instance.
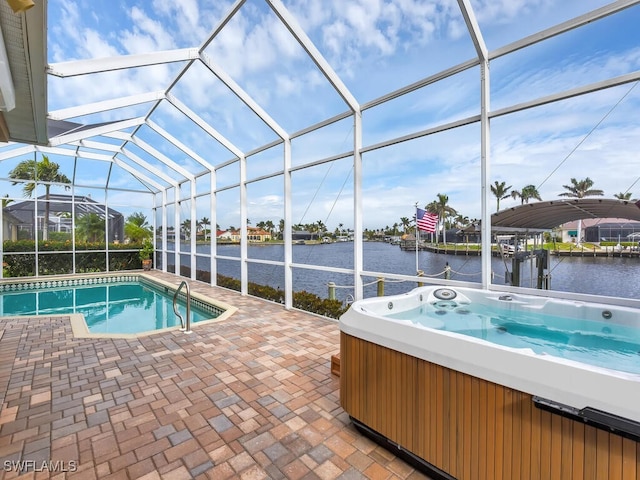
[208, 117]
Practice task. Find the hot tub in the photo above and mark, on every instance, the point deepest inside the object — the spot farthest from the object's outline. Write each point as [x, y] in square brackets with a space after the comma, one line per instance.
[423, 369]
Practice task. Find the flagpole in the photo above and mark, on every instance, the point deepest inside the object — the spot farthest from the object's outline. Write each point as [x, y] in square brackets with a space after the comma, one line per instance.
[417, 230]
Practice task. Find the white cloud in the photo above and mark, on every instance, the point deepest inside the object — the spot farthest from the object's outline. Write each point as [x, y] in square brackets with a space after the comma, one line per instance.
[147, 34]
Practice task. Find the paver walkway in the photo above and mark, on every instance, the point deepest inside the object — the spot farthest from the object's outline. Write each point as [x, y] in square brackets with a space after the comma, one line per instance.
[250, 398]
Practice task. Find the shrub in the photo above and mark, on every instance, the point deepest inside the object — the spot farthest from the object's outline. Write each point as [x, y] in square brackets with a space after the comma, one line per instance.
[19, 257]
[303, 300]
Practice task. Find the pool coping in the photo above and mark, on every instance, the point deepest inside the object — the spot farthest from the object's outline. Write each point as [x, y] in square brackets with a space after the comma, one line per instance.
[79, 325]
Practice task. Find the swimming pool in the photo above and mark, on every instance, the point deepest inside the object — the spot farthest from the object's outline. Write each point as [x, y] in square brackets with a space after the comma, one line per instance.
[109, 305]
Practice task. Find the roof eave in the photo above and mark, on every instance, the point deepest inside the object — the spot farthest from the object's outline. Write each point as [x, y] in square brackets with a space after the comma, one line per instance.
[24, 36]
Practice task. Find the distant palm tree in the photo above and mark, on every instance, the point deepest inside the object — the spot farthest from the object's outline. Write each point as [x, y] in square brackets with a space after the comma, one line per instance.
[405, 222]
[441, 207]
[623, 196]
[528, 192]
[204, 221]
[43, 171]
[6, 200]
[270, 227]
[580, 189]
[185, 229]
[501, 191]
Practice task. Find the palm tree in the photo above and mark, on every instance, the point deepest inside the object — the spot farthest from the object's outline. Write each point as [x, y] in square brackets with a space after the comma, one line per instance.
[405, 222]
[137, 228]
[528, 192]
[442, 208]
[90, 228]
[6, 200]
[270, 227]
[204, 221]
[185, 229]
[43, 171]
[501, 191]
[623, 196]
[580, 189]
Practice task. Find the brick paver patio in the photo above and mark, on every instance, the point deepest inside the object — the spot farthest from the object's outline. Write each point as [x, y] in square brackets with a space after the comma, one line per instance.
[250, 398]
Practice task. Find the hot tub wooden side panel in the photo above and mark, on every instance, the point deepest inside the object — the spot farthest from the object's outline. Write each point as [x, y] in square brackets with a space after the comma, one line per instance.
[471, 428]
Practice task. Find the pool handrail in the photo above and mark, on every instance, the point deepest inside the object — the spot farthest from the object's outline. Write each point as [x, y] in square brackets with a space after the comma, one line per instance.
[186, 326]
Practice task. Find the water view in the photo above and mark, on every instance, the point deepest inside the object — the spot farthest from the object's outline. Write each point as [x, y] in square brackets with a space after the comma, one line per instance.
[611, 276]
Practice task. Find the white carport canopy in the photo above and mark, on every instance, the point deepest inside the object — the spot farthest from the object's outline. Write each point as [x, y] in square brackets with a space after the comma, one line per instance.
[550, 214]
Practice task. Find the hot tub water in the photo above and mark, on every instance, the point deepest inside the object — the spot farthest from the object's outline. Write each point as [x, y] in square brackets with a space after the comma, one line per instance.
[562, 329]
[595, 342]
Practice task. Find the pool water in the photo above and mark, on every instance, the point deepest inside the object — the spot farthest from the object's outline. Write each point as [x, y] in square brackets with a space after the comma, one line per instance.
[126, 307]
[592, 342]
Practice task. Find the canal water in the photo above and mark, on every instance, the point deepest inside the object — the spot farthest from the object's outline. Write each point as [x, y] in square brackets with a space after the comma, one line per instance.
[608, 276]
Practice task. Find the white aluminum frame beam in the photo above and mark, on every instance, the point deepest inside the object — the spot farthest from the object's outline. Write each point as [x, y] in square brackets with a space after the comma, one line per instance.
[178, 144]
[336, 82]
[106, 105]
[244, 233]
[95, 131]
[16, 152]
[243, 96]
[288, 232]
[485, 146]
[305, 42]
[574, 92]
[107, 147]
[164, 229]
[138, 175]
[163, 158]
[100, 65]
[226, 19]
[77, 154]
[212, 132]
[192, 238]
[148, 167]
[563, 27]
[449, 72]
[194, 54]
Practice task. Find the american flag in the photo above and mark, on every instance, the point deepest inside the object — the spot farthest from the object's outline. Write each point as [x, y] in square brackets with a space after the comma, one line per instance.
[426, 221]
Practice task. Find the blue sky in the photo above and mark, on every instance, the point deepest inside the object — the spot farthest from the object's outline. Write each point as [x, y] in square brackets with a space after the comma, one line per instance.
[375, 47]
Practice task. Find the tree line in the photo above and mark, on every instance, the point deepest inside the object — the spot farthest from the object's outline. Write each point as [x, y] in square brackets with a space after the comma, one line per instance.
[91, 227]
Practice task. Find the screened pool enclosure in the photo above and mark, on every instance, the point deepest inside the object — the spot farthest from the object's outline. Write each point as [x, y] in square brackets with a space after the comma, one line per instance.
[220, 132]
